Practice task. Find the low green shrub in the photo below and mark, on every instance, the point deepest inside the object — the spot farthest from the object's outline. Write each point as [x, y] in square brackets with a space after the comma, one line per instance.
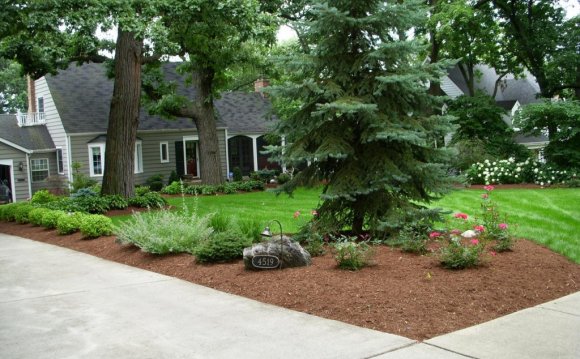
[69, 223]
[413, 241]
[221, 223]
[90, 204]
[148, 200]
[155, 182]
[35, 216]
[162, 232]
[85, 192]
[42, 197]
[175, 187]
[96, 225]
[21, 214]
[237, 174]
[50, 219]
[352, 255]
[141, 190]
[173, 177]
[115, 201]
[8, 211]
[283, 178]
[222, 246]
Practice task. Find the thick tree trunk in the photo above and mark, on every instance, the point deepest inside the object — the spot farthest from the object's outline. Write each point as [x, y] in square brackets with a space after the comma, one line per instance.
[210, 162]
[119, 172]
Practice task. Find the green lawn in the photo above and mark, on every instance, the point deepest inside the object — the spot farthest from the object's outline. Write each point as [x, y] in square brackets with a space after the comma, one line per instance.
[548, 216]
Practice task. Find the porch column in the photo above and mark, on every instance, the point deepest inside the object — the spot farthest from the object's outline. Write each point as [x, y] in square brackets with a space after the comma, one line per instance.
[255, 146]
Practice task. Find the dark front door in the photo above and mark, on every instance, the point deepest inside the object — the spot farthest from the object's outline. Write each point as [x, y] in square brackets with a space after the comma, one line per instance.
[241, 154]
[5, 184]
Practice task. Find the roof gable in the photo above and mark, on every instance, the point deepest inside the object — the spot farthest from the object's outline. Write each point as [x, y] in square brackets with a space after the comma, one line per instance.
[30, 138]
[82, 95]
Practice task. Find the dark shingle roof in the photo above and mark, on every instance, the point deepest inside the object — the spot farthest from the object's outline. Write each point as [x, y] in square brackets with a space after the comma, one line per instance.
[506, 105]
[82, 95]
[32, 138]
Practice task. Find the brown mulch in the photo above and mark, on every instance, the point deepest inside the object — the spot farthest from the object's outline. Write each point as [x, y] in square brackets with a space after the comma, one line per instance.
[401, 294]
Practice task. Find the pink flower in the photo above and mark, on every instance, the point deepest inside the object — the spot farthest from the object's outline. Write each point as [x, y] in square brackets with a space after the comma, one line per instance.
[479, 228]
[488, 188]
[503, 226]
[434, 235]
[456, 232]
[296, 214]
[485, 196]
[492, 253]
[314, 213]
[474, 241]
[460, 215]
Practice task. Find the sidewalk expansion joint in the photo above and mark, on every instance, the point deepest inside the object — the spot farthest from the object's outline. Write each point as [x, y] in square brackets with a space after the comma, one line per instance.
[83, 291]
[451, 351]
[560, 311]
[392, 350]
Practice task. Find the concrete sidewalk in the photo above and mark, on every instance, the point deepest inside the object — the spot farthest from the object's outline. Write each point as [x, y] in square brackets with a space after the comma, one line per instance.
[58, 303]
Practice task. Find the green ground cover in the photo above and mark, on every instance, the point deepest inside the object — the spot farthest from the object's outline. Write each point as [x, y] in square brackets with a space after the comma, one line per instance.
[550, 217]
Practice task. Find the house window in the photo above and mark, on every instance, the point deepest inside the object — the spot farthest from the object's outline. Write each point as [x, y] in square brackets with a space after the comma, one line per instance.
[40, 104]
[138, 157]
[39, 169]
[59, 161]
[97, 159]
[164, 152]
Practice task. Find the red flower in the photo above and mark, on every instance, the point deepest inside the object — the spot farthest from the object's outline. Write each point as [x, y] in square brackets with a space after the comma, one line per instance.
[460, 215]
[488, 188]
[479, 228]
[474, 241]
[485, 196]
[296, 214]
[492, 253]
[503, 226]
[434, 235]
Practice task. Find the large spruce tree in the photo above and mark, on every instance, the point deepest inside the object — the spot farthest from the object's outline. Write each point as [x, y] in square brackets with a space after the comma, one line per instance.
[367, 127]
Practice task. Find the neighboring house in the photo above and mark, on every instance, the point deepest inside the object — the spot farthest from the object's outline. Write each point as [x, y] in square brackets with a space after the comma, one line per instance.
[511, 96]
[67, 123]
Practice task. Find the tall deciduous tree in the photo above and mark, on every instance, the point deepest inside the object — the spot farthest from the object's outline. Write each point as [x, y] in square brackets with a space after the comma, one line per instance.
[563, 120]
[211, 37]
[366, 125]
[13, 95]
[535, 31]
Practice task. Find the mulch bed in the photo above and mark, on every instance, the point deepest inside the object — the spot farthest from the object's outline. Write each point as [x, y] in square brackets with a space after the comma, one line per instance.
[401, 294]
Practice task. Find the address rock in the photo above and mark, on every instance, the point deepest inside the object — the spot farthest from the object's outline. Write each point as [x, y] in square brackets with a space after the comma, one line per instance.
[293, 255]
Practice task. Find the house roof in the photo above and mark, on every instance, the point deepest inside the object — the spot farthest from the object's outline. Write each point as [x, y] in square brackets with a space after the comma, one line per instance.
[523, 90]
[31, 138]
[82, 95]
[506, 105]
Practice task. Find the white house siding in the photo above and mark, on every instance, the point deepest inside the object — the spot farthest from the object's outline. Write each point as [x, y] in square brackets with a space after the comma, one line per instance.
[450, 88]
[9, 154]
[151, 158]
[53, 123]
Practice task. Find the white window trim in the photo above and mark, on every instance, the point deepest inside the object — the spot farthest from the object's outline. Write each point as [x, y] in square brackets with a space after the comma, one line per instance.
[138, 156]
[60, 171]
[33, 170]
[91, 168]
[161, 144]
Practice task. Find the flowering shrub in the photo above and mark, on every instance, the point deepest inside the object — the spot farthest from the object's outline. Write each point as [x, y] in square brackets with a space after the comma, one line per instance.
[464, 244]
[508, 171]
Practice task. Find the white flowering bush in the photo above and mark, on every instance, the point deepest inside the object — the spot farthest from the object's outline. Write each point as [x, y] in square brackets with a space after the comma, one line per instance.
[509, 171]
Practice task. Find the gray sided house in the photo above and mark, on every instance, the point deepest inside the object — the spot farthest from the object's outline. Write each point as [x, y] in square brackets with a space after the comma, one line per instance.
[512, 95]
[67, 123]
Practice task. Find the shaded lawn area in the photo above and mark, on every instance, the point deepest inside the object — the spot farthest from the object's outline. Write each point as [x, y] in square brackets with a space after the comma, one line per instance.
[550, 217]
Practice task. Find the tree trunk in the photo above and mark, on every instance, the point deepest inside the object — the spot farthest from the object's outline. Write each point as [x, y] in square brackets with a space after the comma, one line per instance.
[434, 87]
[119, 172]
[210, 162]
